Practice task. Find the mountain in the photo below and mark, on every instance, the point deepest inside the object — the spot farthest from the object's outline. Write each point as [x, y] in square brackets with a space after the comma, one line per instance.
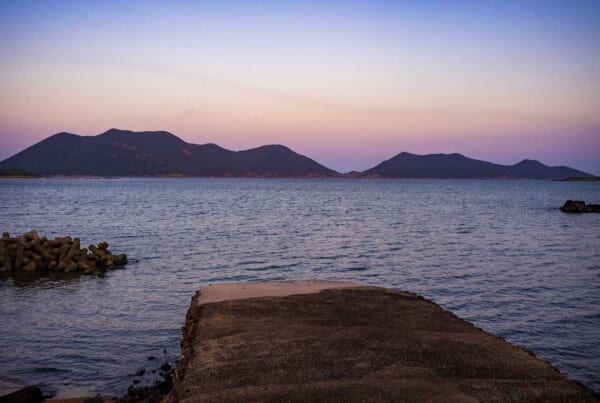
[535, 169]
[406, 165]
[126, 153]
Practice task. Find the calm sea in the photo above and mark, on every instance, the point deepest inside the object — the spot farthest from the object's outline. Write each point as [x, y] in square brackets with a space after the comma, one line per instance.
[497, 253]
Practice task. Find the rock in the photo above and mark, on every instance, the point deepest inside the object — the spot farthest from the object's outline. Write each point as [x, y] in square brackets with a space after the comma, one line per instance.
[73, 249]
[31, 235]
[6, 266]
[30, 394]
[81, 265]
[573, 206]
[69, 266]
[64, 248]
[19, 257]
[31, 266]
[97, 251]
[155, 393]
[36, 258]
[67, 263]
[42, 251]
[579, 206]
[121, 259]
[30, 252]
[62, 240]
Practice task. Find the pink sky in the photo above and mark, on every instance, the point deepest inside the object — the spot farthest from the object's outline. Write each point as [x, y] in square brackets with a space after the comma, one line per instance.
[348, 84]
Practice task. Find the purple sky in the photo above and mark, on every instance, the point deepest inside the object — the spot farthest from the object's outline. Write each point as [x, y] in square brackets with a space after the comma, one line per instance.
[348, 84]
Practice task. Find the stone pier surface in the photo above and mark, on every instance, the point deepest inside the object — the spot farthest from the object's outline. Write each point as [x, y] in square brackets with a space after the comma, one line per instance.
[299, 341]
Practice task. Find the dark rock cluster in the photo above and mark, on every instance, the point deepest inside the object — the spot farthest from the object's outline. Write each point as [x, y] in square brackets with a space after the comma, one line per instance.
[154, 393]
[579, 206]
[30, 394]
[31, 253]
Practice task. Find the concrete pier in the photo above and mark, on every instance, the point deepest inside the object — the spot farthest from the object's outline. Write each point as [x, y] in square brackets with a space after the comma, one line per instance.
[326, 341]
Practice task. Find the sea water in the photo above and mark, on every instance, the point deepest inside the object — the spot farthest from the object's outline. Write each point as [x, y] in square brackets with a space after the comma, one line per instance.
[498, 253]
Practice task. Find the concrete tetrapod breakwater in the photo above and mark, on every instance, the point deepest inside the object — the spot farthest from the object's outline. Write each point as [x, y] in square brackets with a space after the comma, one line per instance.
[31, 253]
[327, 341]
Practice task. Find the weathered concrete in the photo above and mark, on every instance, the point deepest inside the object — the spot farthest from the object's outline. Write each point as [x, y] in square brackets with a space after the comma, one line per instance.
[351, 344]
[233, 291]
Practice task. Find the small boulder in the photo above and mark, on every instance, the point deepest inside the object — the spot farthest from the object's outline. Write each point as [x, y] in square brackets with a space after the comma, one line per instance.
[30, 394]
[579, 206]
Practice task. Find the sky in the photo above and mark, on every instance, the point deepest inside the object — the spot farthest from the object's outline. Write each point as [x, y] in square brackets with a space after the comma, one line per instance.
[346, 83]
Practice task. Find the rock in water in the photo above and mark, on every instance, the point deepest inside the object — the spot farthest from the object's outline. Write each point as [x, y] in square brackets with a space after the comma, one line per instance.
[30, 394]
[579, 206]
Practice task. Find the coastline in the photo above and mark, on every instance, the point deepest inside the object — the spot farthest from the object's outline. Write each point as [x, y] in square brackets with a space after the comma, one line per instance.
[348, 176]
[331, 340]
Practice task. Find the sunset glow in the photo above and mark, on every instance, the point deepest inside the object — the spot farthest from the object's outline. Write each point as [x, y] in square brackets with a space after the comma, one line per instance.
[348, 84]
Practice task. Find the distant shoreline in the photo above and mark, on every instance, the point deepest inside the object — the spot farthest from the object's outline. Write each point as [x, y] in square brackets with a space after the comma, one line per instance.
[160, 153]
[580, 179]
[340, 176]
[17, 173]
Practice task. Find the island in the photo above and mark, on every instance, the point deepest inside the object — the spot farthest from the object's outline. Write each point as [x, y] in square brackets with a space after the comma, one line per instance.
[119, 152]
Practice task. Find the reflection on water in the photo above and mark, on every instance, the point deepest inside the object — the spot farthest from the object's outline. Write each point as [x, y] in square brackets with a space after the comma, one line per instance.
[497, 253]
[43, 279]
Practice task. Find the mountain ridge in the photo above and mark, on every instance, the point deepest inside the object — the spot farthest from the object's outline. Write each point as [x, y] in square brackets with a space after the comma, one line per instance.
[156, 153]
[117, 152]
[455, 165]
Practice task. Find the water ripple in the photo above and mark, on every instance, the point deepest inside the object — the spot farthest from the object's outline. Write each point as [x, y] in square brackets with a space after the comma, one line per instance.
[497, 253]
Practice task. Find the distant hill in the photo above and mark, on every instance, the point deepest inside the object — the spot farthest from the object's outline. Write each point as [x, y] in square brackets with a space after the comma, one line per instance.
[406, 165]
[126, 153]
[159, 153]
